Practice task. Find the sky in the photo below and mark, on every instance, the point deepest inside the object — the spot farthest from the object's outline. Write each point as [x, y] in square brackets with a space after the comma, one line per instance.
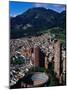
[17, 8]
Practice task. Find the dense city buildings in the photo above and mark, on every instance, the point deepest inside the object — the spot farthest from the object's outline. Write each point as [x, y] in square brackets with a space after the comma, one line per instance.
[29, 55]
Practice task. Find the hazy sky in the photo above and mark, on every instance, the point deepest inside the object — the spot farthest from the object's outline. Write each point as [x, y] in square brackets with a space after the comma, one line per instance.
[20, 7]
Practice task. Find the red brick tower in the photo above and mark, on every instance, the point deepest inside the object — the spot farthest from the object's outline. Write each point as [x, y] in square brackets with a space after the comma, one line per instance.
[36, 56]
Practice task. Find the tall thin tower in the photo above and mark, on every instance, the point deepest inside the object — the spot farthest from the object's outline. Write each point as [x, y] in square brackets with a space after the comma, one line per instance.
[57, 59]
[36, 56]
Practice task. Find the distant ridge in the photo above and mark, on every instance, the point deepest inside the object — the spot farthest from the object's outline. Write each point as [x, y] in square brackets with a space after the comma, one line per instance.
[35, 20]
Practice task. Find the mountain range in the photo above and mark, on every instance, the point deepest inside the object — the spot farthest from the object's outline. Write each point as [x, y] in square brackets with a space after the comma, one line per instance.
[36, 20]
